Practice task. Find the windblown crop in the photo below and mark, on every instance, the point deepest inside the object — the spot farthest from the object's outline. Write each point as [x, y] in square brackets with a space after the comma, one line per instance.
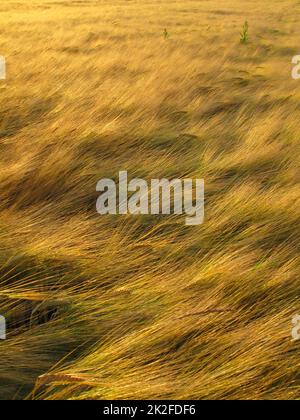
[137, 307]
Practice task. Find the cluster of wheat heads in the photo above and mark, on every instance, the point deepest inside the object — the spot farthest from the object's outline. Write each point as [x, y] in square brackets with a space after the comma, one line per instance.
[146, 307]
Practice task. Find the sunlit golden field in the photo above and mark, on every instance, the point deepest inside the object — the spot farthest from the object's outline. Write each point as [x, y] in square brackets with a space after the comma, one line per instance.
[142, 307]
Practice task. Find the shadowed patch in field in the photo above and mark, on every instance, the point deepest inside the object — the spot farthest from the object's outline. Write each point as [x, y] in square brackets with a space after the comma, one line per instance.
[13, 120]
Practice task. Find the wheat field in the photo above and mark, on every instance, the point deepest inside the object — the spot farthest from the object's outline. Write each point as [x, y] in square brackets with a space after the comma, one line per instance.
[144, 307]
